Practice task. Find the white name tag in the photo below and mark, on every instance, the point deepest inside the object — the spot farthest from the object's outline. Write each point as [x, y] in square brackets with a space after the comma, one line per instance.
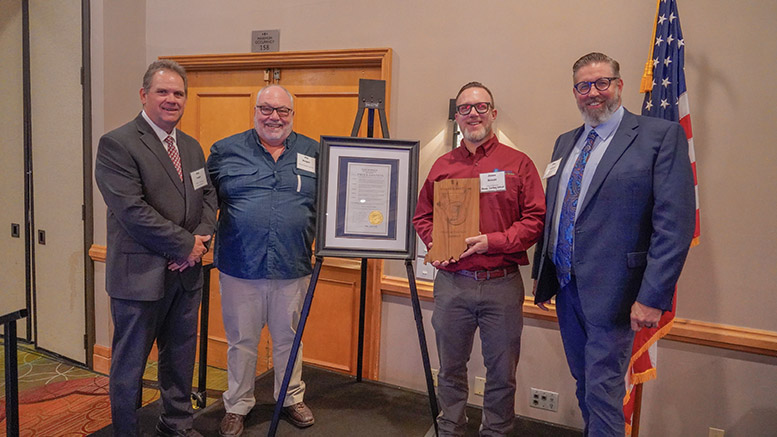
[551, 169]
[305, 162]
[198, 178]
[491, 182]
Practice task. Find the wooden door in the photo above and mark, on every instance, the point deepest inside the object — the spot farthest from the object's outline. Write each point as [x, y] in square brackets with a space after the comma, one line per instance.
[325, 85]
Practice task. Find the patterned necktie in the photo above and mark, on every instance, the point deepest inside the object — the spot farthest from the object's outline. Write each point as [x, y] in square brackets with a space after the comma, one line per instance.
[172, 152]
[566, 223]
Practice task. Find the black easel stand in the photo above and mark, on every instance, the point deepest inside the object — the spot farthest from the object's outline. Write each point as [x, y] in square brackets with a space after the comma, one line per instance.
[11, 372]
[276, 415]
[371, 97]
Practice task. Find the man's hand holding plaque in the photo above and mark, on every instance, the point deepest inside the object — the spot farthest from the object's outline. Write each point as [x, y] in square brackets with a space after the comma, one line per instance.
[456, 222]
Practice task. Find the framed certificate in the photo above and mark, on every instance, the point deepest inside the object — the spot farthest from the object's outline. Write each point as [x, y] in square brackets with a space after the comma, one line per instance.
[366, 197]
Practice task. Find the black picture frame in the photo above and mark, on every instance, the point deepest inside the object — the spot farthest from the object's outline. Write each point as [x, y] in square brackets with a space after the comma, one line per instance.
[367, 189]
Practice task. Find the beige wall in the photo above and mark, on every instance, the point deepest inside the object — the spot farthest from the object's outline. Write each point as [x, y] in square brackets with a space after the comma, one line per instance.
[118, 63]
[12, 280]
[523, 51]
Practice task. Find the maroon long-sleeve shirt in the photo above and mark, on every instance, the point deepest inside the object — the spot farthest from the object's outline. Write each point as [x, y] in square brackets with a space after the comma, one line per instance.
[512, 219]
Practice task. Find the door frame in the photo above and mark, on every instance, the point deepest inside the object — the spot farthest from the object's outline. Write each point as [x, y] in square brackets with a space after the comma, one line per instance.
[374, 57]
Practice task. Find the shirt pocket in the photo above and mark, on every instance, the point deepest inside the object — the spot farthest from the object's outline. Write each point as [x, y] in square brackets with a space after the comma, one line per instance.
[305, 182]
[502, 207]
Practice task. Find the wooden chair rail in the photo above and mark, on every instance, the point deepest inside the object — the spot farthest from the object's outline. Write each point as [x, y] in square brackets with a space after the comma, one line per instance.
[715, 335]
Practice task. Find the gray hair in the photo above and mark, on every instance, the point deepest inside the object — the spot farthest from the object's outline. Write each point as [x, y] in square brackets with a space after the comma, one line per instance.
[261, 91]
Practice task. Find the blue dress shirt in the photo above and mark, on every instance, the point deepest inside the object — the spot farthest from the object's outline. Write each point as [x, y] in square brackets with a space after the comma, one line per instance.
[267, 208]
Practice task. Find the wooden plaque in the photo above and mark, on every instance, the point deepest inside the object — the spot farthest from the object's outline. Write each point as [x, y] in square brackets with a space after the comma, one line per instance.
[456, 217]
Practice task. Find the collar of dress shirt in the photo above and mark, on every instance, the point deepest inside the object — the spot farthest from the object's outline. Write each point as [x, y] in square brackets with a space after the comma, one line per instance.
[159, 131]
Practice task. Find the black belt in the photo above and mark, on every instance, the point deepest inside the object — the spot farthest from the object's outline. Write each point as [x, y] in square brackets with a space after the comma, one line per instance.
[482, 275]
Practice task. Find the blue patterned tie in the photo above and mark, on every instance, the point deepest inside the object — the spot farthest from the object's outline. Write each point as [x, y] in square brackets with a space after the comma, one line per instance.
[566, 223]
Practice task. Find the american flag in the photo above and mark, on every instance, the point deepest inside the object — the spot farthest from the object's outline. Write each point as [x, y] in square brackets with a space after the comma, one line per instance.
[666, 97]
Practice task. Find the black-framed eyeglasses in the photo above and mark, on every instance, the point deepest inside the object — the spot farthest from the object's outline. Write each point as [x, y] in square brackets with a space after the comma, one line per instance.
[480, 107]
[601, 84]
[281, 110]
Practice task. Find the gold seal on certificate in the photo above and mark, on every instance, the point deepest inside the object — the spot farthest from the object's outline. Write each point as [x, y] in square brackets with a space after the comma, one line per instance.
[376, 217]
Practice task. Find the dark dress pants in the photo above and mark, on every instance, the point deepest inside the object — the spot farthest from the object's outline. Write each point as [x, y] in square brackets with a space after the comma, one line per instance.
[172, 322]
[598, 357]
[495, 307]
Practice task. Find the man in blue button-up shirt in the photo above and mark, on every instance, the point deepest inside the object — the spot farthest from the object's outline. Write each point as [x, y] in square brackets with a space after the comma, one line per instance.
[266, 183]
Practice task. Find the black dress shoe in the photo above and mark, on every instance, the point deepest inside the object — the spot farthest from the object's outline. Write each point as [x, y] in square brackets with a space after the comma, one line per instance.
[163, 430]
[299, 415]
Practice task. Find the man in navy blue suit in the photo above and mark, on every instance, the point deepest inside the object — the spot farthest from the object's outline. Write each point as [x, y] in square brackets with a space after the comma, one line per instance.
[619, 223]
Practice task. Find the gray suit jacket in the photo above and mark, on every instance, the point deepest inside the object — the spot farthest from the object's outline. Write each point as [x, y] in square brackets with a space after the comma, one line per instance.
[635, 225]
[152, 215]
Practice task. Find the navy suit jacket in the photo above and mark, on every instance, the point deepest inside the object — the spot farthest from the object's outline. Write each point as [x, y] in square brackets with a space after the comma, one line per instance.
[152, 215]
[635, 225]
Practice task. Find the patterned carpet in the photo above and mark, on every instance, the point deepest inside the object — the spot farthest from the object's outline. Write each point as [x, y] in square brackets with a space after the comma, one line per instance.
[62, 399]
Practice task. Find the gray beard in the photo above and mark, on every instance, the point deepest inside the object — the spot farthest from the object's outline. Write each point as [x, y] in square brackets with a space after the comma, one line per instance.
[595, 119]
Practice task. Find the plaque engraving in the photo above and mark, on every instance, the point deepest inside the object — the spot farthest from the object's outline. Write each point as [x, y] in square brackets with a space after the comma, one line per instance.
[456, 217]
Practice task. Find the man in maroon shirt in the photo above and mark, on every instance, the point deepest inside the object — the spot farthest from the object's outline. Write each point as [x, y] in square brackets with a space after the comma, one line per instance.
[483, 289]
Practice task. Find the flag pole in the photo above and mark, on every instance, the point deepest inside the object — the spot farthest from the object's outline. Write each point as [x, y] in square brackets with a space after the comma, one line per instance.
[637, 410]
[645, 86]
[647, 76]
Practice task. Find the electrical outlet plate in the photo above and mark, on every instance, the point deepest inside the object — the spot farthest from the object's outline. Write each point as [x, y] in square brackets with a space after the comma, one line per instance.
[480, 386]
[434, 376]
[543, 399]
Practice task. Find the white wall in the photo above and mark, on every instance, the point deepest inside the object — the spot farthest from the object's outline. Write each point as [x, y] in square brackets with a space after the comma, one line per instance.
[524, 51]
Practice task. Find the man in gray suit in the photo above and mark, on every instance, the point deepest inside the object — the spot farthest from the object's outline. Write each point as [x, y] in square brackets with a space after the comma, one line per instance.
[620, 219]
[161, 214]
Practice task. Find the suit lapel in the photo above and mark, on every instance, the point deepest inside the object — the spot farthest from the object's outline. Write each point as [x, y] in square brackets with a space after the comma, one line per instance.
[624, 137]
[188, 164]
[565, 145]
[149, 138]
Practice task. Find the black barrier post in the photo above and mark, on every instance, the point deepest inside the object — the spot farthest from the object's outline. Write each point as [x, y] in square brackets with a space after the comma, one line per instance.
[200, 396]
[11, 372]
[276, 415]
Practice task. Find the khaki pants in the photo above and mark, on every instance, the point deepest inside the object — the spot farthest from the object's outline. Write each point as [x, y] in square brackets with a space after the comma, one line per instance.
[246, 306]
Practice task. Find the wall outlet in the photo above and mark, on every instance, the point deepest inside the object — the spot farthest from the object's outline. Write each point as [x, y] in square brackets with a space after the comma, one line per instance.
[434, 376]
[542, 399]
[480, 386]
[716, 432]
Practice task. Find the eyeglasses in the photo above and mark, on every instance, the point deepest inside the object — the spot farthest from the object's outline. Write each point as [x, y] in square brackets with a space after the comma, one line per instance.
[601, 84]
[480, 107]
[268, 110]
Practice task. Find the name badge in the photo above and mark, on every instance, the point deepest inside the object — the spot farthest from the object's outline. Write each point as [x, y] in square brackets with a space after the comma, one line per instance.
[198, 178]
[492, 182]
[305, 162]
[551, 169]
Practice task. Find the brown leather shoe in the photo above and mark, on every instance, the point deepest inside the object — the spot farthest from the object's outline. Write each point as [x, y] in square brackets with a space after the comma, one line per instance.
[299, 414]
[231, 425]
